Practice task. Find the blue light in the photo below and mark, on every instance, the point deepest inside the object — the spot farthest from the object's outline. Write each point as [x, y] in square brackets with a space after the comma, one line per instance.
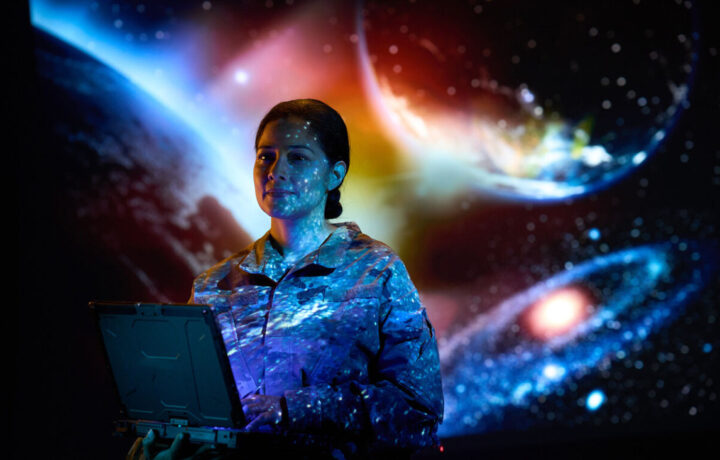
[521, 390]
[553, 372]
[594, 400]
[594, 234]
[526, 95]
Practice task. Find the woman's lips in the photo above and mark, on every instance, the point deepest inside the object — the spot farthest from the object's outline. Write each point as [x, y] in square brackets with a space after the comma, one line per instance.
[278, 192]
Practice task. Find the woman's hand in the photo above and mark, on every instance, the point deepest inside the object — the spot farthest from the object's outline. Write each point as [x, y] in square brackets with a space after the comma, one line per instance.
[262, 410]
[152, 450]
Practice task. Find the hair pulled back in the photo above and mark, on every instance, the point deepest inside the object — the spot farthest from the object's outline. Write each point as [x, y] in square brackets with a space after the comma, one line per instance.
[331, 133]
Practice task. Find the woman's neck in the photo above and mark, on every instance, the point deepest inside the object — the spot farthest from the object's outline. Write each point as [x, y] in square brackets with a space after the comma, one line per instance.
[299, 237]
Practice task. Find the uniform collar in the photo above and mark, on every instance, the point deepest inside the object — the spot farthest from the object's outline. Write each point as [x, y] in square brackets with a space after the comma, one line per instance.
[263, 256]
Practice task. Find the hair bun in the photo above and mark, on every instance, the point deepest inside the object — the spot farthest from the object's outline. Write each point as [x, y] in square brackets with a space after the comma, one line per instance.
[333, 208]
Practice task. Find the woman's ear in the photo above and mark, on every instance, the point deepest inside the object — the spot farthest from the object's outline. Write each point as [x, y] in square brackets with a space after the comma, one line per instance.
[338, 172]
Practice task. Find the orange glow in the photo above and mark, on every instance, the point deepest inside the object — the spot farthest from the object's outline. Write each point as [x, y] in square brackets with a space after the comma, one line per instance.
[558, 313]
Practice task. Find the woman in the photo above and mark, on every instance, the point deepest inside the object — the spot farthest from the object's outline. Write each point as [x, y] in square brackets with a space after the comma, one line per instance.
[324, 328]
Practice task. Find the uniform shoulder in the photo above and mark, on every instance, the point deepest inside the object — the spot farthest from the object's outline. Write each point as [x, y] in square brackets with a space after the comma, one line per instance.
[388, 266]
[365, 242]
[382, 254]
[221, 268]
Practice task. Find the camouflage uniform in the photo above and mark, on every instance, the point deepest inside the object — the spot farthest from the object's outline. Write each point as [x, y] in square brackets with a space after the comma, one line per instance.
[341, 334]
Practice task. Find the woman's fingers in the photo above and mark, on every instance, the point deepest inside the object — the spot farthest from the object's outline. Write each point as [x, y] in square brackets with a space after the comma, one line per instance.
[250, 411]
[150, 449]
[174, 451]
[207, 451]
[135, 450]
[269, 417]
[261, 410]
[262, 419]
[148, 444]
[204, 448]
[256, 404]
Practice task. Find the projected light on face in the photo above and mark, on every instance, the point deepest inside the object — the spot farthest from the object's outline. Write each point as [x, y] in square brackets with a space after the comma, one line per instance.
[539, 338]
[291, 171]
[545, 112]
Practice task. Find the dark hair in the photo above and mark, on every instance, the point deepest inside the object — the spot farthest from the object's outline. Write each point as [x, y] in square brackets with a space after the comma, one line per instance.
[331, 132]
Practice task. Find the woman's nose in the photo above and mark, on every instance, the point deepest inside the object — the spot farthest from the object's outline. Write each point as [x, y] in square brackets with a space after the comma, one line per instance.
[278, 170]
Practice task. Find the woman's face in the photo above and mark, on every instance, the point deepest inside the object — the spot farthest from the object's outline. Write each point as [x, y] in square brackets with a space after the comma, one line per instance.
[292, 174]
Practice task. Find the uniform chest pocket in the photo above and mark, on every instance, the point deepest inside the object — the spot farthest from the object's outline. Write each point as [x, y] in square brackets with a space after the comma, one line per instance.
[351, 340]
[247, 295]
[359, 305]
[245, 306]
[358, 315]
[339, 294]
[240, 297]
[323, 318]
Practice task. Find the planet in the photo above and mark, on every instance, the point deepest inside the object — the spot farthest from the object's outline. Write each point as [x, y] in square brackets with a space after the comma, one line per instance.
[566, 327]
[524, 100]
[128, 174]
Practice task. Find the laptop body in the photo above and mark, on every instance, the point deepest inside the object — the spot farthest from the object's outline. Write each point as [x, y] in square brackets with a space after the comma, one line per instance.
[171, 371]
[172, 374]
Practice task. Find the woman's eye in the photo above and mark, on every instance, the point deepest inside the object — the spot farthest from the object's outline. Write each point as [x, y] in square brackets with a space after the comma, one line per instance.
[298, 157]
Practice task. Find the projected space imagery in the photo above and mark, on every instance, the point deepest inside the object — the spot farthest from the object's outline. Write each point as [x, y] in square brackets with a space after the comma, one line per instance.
[545, 171]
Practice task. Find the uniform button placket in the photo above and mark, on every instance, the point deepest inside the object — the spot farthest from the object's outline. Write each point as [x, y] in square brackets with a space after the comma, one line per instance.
[266, 320]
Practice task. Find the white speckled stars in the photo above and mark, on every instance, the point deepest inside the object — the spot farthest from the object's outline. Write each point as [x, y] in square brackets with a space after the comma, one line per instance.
[292, 174]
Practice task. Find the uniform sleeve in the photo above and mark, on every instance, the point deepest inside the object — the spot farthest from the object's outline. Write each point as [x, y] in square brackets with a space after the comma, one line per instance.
[199, 282]
[402, 404]
[191, 300]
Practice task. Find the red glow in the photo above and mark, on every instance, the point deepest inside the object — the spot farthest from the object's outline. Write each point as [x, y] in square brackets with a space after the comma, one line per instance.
[558, 313]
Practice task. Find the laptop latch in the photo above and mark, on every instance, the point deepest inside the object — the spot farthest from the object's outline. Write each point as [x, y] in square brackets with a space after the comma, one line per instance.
[179, 421]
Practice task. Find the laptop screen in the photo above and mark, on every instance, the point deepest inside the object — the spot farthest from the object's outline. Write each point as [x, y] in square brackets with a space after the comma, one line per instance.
[169, 363]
